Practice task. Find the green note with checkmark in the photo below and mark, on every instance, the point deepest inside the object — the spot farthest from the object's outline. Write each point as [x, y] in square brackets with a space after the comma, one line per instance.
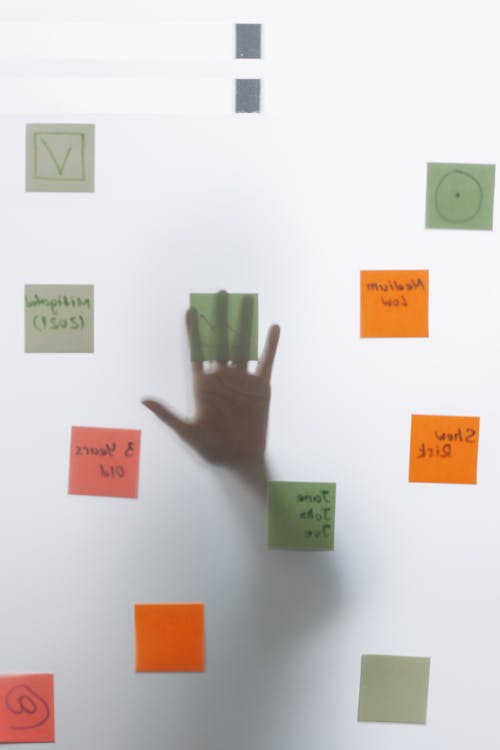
[60, 158]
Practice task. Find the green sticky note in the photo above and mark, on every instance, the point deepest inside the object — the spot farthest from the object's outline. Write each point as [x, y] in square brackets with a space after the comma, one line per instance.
[60, 158]
[300, 515]
[59, 318]
[460, 196]
[223, 327]
[394, 688]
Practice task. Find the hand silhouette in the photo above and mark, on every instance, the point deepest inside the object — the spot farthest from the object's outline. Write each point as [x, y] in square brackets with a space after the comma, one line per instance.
[231, 404]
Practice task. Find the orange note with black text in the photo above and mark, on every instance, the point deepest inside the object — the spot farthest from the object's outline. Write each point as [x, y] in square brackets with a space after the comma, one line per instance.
[394, 304]
[444, 449]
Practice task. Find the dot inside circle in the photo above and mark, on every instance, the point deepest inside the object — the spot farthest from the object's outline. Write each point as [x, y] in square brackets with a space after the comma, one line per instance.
[458, 196]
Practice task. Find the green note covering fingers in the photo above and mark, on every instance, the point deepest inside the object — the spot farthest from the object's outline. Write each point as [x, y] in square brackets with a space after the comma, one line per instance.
[300, 515]
[223, 327]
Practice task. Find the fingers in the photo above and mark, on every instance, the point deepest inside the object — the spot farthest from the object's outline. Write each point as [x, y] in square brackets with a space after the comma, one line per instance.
[180, 426]
[265, 363]
[231, 341]
[193, 332]
[242, 344]
[222, 327]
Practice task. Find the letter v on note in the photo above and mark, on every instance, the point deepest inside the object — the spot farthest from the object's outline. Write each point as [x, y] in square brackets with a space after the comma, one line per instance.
[60, 168]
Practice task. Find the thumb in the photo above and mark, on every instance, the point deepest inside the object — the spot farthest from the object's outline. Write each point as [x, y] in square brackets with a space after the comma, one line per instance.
[181, 426]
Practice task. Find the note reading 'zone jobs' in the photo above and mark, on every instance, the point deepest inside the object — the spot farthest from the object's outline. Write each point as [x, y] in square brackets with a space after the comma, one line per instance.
[300, 515]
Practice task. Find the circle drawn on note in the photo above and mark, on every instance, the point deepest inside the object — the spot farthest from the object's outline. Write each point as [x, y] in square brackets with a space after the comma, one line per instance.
[458, 196]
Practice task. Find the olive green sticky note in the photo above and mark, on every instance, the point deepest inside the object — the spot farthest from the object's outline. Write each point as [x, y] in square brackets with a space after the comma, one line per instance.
[223, 327]
[300, 515]
[60, 158]
[59, 318]
[394, 688]
[460, 196]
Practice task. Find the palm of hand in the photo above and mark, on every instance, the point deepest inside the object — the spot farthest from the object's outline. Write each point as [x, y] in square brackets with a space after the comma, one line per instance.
[232, 407]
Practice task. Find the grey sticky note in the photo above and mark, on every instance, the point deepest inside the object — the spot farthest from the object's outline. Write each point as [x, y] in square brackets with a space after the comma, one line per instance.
[248, 95]
[460, 196]
[59, 318]
[60, 158]
[248, 43]
[394, 689]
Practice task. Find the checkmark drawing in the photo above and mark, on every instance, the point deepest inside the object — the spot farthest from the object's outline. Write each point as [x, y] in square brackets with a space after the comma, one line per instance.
[59, 167]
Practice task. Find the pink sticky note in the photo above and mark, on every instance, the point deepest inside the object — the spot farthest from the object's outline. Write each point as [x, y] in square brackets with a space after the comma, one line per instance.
[27, 708]
[104, 462]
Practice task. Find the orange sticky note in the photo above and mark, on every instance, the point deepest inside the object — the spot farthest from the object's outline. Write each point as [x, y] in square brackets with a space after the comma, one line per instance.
[27, 708]
[394, 304]
[104, 462]
[444, 449]
[169, 638]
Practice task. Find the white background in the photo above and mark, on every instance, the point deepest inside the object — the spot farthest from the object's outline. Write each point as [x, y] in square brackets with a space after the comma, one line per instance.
[292, 204]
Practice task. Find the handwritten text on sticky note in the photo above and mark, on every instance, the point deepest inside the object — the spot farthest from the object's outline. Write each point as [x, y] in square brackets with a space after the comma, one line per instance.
[300, 515]
[394, 304]
[444, 449]
[104, 462]
[59, 318]
[27, 708]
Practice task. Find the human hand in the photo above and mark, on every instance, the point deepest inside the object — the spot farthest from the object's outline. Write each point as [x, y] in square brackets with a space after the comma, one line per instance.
[231, 404]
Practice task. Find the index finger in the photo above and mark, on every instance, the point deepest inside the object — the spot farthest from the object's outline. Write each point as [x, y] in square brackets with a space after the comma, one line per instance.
[193, 332]
[265, 363]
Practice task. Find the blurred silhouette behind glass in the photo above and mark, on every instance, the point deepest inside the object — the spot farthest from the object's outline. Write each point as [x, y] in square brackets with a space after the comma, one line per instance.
[231, 404]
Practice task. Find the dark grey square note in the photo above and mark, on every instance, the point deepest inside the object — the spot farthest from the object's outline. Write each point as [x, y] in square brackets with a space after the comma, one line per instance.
[248, 95]
[248, 40]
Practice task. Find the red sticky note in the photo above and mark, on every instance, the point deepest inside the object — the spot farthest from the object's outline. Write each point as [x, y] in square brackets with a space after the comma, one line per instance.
[169, 637]
[27, 708]
[444, 449]
[104, 462]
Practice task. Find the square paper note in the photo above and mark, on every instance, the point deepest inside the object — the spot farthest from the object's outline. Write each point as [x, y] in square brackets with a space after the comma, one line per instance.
[223, 327]
[394, 688]
[300, 515]
[104, 462]
[394, 303]
[248, 40]
[460, 196]
[169, 638]
[248, 95]
[60, 158]
[27, 708]
[444, 449]
[58, 318]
